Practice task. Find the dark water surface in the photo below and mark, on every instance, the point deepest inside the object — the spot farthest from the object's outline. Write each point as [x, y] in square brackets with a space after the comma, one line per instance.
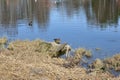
[82, 23]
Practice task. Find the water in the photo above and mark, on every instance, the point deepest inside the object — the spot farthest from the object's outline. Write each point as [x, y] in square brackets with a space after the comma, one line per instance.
[81, 23]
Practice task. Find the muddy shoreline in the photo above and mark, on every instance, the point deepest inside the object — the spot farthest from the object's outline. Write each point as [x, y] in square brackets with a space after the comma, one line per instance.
[30, 60]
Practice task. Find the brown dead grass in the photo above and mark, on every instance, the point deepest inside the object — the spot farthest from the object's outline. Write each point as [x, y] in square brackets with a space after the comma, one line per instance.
[3, 40]
[113, 62]
[21, 61]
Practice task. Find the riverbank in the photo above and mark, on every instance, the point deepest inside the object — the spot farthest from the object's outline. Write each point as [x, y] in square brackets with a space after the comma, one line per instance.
[30, 60]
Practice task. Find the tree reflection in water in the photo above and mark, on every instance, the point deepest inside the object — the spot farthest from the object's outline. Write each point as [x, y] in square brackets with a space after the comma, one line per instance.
[100, 12]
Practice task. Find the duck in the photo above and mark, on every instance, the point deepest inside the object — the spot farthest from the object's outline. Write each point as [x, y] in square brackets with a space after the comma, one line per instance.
[57, 40]
[30, 23]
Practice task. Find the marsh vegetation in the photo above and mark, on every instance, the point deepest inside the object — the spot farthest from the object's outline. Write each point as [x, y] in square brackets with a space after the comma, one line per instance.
[30, 60]
[90, 27]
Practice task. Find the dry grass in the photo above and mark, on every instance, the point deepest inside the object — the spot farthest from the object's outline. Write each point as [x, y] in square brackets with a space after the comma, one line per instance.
[29, 60]
[33, 66]
[113, 62]
[97, 64]
[3, 40]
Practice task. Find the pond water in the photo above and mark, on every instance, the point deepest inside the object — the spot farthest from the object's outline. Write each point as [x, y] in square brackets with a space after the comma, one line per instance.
[89, 24]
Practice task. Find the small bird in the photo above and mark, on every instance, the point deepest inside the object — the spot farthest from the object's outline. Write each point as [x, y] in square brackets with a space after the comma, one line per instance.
[30, 23]
[57, 40]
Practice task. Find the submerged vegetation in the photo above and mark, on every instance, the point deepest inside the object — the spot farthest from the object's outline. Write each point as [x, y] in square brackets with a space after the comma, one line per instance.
[31, 60]
[3, 41]
[107, 64]
[113, 62]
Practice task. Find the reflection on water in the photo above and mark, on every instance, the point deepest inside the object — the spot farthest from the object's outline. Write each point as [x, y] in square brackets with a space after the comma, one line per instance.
[82, 23]
[97, 11]
[102, 11]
